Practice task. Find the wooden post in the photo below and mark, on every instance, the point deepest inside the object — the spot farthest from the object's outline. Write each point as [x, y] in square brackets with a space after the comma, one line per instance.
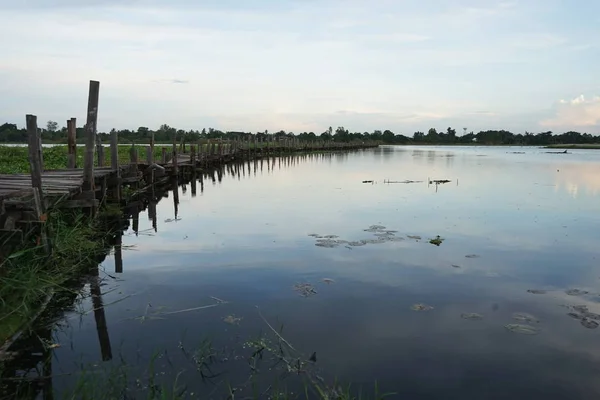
[193, 155]
[164, 155]
[114, 163]
[174, 160]
[114, 151]
[133, 161]
[35, 165]
[149, 155]
[100, 152]
[72, 143]
[90, 129]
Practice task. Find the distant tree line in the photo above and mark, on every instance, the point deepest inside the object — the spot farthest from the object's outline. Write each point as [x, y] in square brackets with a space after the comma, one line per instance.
[9, 133]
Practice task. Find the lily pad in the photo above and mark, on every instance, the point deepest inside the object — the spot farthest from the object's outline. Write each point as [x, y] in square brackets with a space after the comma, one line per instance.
[575, 315]
[522, 329]
[589, 323]
[330, 236]
[394, 239]
[580, 308]
[232, 320]
[379, 227]
[436, 241]
[415, 237]
[591, 315]
[356, 244]
[524, 317]
[576, 292]
[471, 316]
[305, 289]
[373, 241]
[421, 307]
[536, 291]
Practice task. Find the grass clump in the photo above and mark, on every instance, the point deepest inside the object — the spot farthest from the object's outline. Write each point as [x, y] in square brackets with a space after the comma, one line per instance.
[29, 276]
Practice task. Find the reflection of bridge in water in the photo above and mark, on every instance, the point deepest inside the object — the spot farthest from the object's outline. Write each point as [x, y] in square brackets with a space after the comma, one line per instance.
[28, 374]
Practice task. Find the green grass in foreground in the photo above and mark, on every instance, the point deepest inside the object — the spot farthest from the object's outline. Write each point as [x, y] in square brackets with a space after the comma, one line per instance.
[28, 276]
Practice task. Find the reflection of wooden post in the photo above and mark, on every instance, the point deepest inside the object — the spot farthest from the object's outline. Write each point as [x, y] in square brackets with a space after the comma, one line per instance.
[100, 317]
[35, 165]
[136, 220]
[175, 197]
[152, 214]
[193, 182]
[119, 252]
[72, 143]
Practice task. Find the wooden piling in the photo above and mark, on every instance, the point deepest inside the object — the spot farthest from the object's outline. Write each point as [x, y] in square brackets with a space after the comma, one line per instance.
[149, 155]
[35, 166]
[174, 159]
[72, 143]
[164, 155]
[193, 156]
[90, 129]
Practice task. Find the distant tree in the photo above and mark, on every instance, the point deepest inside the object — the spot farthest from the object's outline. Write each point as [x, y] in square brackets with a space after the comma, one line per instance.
[52, 126]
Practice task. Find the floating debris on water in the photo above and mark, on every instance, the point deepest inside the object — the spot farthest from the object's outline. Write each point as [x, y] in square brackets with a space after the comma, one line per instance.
[328, 280]
[232, 320]
[455, 266]
[384, 234]
[314, 235]
[576, 292]
[472, 256]
[374, 241]
[580, 308]
[330, 244]
[377, 227]
[330, 236]
[575, 315]
[589, 323]
[367, 181]
[415, 237]
[436, 241]
[591, 315]
[522, 329]
[536, 291]
[394, 239]
[438, 181]
[471, 316]
[356, 244]
[421, 307]
[305, 289]
[524, 317]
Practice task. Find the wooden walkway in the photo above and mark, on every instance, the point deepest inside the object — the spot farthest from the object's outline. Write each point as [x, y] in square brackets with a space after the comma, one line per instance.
[54, 183]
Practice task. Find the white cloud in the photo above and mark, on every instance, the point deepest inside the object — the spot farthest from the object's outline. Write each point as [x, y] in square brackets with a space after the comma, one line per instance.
[578, 112]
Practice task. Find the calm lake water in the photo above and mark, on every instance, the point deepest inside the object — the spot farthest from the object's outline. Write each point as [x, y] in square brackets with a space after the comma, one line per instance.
[527, 221]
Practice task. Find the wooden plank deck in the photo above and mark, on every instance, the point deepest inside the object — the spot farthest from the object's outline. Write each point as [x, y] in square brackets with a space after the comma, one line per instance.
[58, 182]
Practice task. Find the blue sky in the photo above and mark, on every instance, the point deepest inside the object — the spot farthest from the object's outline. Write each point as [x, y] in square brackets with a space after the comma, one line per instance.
[304, 65]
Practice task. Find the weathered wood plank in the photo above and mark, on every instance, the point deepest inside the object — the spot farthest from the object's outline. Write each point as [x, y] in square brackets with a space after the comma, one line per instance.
[90, 129]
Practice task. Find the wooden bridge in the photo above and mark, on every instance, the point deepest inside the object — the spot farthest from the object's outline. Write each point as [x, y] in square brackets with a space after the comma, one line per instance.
[26, 198]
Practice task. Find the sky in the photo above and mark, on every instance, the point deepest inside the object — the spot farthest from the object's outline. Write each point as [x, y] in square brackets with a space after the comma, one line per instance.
[305, 65]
